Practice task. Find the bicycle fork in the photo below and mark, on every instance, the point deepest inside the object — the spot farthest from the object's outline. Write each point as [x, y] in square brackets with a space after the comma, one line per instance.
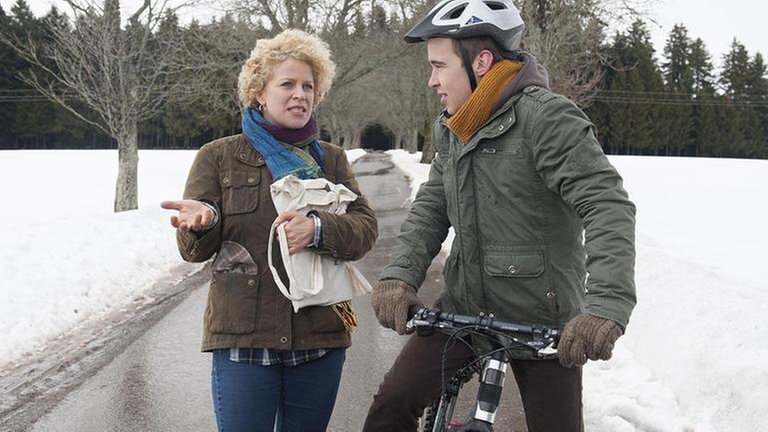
[488, 396]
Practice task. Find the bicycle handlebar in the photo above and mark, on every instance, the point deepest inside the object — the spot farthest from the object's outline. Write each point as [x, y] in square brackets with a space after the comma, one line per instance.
[424, 321]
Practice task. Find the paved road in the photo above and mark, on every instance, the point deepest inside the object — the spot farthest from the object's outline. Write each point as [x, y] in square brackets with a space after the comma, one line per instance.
[161, 382]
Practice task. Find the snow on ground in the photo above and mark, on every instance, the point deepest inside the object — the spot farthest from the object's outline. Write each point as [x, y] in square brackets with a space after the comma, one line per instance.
[355, 154]
[65, 256]
[693, 358]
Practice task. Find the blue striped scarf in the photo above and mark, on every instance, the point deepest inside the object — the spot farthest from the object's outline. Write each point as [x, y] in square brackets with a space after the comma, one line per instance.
[281, 160]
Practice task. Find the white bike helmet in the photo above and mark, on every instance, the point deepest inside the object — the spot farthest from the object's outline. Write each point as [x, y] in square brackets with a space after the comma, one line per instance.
[457, 19]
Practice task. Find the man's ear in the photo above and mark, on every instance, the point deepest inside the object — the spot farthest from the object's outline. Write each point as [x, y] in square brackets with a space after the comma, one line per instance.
[483, 62]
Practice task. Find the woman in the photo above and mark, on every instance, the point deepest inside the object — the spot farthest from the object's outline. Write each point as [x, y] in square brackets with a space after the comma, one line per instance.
[272, 368]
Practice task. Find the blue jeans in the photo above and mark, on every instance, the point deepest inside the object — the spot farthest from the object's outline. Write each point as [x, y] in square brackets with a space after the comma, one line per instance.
[258, 398]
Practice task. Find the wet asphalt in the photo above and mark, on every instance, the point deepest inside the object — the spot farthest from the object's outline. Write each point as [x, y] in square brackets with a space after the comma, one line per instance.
[160, 382]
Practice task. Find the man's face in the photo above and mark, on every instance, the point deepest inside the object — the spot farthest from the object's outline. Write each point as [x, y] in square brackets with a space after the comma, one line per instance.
[448, 75]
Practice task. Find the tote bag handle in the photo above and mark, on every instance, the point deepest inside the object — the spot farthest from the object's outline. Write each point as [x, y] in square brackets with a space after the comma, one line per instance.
[316, 279]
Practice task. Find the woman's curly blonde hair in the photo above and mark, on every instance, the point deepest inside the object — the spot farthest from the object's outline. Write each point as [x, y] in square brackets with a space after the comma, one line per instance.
[268, 53]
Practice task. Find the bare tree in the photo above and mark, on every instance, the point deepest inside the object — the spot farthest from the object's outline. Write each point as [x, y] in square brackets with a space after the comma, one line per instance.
[320, 16]
[567, 37]
[117, 68]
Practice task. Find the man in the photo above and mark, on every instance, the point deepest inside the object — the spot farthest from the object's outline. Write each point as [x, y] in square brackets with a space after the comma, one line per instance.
[544, 229]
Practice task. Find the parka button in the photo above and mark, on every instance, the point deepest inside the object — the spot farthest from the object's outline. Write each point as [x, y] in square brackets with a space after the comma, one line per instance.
[261, 159]
[251, 179]
[242, 155]
[512, 269]
[551, 295]
[283, 339]
[251, 282]
[501, 127]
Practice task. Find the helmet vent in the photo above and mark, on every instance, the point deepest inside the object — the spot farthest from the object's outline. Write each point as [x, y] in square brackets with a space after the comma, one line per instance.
[455, 12]
[495, 6]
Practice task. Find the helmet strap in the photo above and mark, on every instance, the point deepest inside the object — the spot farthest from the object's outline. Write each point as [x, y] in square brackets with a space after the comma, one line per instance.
[467, 65]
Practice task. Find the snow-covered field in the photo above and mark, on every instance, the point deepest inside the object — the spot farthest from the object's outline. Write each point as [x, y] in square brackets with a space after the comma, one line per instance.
[693, 358]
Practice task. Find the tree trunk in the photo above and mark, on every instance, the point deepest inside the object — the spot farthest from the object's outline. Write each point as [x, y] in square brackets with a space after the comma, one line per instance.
[397, 143]
[352, 139]
[347, 141]
[428, 152]
[411, 144]
[126, 189]
[336, 136]
[357, 138]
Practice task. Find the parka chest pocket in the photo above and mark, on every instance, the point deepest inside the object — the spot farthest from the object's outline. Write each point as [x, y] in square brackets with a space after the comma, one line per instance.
[503, 149]
[514, 265]
[239, 191]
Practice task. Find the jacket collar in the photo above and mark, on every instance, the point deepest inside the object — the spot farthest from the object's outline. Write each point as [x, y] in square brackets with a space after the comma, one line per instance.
[499, 123]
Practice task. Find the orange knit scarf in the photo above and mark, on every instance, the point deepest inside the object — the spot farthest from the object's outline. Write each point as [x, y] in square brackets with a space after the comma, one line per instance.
[480, 105]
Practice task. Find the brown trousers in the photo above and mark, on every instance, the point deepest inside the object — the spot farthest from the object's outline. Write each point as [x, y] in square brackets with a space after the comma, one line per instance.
[551, 394]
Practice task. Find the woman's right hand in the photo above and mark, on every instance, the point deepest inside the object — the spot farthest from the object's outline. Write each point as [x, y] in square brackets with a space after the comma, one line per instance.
[193, 215]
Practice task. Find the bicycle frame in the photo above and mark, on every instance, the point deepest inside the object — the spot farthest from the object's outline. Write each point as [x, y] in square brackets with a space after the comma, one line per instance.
[446, 404]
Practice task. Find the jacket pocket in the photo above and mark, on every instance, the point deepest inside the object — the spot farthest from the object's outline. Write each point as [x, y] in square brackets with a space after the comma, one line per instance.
[514, 265]
[239, 192]
[232, 303]
[517, 285]
[234, 257]
[502, 149]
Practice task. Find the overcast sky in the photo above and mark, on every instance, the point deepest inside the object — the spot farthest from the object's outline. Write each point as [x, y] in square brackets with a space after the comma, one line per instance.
[715, 22]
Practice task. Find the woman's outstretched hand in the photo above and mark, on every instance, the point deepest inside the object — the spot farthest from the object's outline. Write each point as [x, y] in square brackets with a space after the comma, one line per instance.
[193, 215]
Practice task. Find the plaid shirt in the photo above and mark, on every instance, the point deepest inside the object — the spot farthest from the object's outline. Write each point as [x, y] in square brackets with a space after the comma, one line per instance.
[268, 357]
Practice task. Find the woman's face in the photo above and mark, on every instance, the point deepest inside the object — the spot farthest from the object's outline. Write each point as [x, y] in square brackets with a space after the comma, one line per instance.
[288, 96]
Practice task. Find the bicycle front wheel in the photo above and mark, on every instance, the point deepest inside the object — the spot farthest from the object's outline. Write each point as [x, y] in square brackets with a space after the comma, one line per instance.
[428, 419]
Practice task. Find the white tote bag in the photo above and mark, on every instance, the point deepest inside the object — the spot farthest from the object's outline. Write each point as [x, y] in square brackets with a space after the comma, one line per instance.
[314, 279]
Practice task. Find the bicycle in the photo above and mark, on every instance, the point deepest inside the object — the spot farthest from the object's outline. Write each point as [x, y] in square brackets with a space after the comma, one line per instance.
[489, 367]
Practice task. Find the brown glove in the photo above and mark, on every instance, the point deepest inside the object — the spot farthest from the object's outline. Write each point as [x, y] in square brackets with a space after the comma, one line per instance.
[587, 337]
[391, 300]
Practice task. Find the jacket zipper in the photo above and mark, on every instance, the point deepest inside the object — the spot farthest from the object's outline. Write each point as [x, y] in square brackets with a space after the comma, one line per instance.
[455, 157]
[480, 251]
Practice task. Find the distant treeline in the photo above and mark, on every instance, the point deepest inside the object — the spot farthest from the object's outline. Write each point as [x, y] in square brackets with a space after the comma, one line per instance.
[680, 106]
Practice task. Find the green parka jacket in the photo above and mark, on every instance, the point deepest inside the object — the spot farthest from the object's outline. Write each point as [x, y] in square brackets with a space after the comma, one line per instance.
[544, 229]
[245, 308]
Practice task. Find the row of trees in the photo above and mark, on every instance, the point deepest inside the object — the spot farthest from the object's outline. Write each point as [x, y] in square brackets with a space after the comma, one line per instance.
[680, 107]
[94, 78]
[190, 71]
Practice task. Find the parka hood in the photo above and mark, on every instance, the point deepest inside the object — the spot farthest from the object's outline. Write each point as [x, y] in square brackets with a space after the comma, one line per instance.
[533, 73]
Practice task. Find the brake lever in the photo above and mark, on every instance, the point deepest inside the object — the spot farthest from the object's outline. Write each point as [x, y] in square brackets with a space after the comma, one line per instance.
[412, 324]
[547, 351]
